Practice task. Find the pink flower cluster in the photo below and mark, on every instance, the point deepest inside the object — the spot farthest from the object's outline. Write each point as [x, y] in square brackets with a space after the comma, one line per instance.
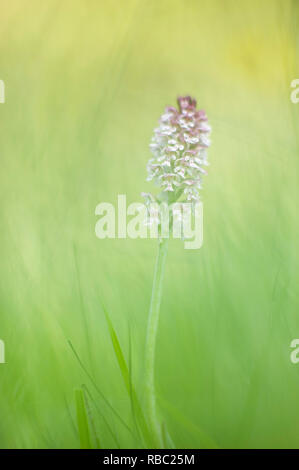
[179, 148]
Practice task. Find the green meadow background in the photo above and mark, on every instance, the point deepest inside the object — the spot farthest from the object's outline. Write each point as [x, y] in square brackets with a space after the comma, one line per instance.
[86, 82]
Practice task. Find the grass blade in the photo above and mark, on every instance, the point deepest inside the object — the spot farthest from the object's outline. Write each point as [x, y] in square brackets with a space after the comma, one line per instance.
[119, 354]
[205, 441]
[92, 425]
[82, 420]
[85, 388]
[98, 389]
[167, 441]
[128, 383]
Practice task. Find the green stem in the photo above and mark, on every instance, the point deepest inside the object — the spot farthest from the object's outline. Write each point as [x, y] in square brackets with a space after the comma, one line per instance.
[152, 327]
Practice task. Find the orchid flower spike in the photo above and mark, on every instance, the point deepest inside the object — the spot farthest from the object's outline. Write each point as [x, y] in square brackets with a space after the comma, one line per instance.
[179, 147]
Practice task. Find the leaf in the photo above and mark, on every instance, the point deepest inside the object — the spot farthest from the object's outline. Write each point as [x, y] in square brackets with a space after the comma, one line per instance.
[82, 420]
[128, 383]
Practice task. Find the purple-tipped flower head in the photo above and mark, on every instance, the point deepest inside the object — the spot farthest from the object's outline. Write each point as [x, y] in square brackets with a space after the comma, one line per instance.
[179, 148]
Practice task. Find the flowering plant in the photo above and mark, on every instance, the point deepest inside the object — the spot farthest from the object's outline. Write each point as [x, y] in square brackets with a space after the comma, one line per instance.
[179, 148]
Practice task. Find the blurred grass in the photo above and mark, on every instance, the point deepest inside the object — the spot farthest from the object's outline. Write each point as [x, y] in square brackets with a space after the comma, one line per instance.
[85, 83]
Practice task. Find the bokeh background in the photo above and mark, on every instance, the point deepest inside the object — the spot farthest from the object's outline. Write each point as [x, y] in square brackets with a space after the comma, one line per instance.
[85, 84]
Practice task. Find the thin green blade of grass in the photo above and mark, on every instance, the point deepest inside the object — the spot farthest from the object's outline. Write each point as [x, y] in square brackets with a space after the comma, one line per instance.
[82, 420]
[128, 383]
[119, 354]
[85, 388]
[69, 415]
[91, 420]
[99, 390]
[206, 441]
[167, 440]
[81, 305]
